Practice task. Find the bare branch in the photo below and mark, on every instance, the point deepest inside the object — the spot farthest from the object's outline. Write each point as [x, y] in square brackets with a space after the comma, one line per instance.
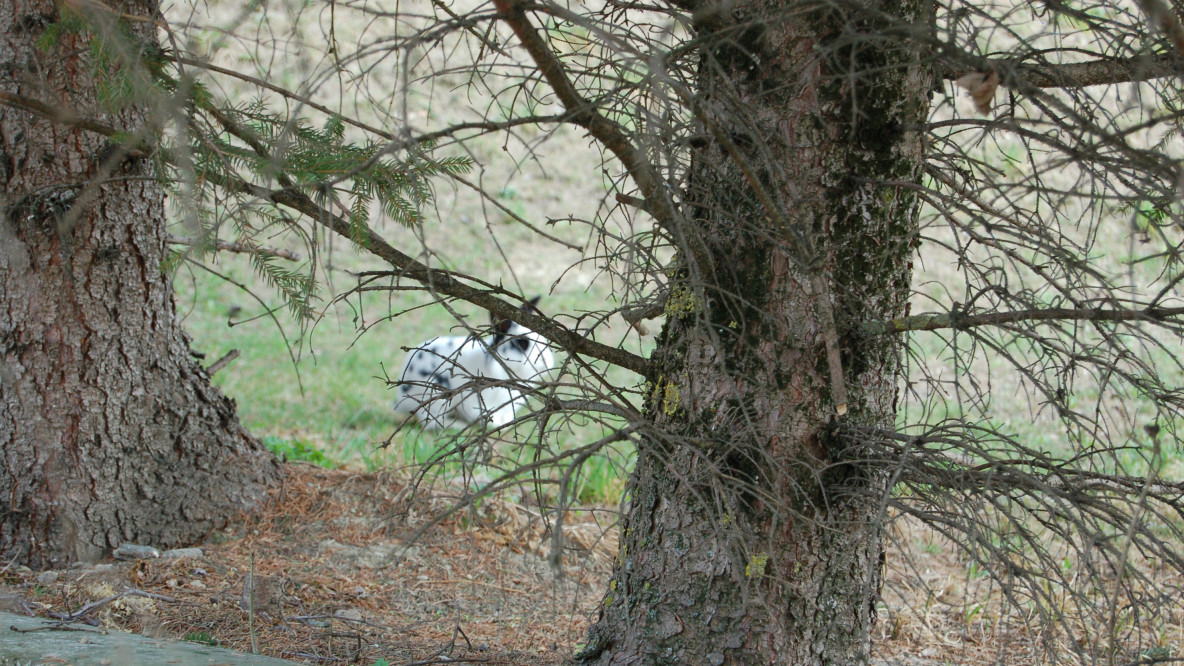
[1101, 71]
[222, 362]
[583, 113]
[958, 321]
[242, 248]
[65, 116]
[445, 282]
[449, 283]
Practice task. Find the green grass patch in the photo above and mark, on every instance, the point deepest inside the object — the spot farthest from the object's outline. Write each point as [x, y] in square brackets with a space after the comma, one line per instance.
[296, 449]
[203, 637]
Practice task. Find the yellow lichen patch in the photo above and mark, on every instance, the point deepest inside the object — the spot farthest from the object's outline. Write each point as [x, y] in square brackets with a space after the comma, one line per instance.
[670, 399]
[756, 565]
[681, 302]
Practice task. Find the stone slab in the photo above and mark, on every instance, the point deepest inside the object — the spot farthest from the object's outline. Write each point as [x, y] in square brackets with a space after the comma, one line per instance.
[114, 648]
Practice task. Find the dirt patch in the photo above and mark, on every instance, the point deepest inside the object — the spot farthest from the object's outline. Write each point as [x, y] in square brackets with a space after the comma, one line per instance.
[347, 567]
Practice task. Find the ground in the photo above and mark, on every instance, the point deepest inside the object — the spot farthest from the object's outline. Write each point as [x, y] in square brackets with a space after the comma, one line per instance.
[354, 567]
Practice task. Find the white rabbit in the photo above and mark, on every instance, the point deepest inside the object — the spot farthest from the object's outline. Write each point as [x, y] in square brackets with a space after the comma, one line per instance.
[458, 380]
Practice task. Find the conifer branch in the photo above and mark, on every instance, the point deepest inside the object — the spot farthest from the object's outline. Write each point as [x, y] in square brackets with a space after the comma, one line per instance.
[445, 282]
[449, 283]
[401, 143]
[958, 321]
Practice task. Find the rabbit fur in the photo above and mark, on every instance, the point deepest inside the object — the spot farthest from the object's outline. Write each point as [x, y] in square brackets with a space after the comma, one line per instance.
[456, 381]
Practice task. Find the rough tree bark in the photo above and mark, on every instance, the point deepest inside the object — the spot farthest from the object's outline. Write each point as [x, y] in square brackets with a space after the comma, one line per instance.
[753, 533]
[109, 430]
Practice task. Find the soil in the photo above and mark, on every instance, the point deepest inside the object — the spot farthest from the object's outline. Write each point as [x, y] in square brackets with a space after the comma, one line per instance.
[352, 567]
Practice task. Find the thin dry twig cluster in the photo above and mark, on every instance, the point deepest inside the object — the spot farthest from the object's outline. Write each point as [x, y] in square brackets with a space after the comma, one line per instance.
[1040, 405]
[1072, 523]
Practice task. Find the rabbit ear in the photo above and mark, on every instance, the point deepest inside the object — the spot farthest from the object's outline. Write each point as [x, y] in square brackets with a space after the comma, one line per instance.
[501, 330]
[532, 305]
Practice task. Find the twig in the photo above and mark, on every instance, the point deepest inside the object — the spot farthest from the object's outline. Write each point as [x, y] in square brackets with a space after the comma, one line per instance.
[57, 626]
[1097, 72]
[10, 563]
[1166, 22]
[78, 614]
[251, 605]
[452, 660]
[243, 248]
[311, 657]
[463, 635]
[445, 282]
[66, 116]
[458, 581]
[222, 362]
[584, 114]
[158, 597]
[830, 336]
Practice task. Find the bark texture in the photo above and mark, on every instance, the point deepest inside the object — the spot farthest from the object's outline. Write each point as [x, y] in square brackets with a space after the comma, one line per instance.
[752, 534]
[110, 432]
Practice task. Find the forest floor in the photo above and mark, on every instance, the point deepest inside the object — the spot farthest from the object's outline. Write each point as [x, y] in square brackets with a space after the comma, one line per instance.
[354, 567]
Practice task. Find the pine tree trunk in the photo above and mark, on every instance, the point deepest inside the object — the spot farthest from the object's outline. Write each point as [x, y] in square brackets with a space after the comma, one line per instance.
[110, 432]
[752, 534]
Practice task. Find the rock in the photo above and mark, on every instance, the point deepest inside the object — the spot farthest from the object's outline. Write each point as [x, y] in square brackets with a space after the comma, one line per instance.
[197, 585]
[357, 557]
[262, 594]
[109, 648]
[183, 554]
[47, 578]
[131, 551]
[348, 614]
[114, 575]
[13, 603]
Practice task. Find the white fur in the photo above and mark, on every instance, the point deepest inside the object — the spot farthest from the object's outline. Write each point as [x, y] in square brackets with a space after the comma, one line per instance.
[457, 381]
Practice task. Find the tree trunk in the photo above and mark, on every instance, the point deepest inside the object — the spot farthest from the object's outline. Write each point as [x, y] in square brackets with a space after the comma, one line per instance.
[752, 533]
[110, 432]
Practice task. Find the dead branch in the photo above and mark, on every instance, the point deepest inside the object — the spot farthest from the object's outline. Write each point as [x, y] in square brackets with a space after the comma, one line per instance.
[958, 321]
[222, 362]
[243, 248]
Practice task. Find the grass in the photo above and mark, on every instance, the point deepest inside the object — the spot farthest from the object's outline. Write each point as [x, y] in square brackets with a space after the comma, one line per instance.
[321, 395]
[202, 637]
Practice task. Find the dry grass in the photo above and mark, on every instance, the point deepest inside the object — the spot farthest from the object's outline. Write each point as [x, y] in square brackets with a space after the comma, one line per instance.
[346, 572]
[349, 569]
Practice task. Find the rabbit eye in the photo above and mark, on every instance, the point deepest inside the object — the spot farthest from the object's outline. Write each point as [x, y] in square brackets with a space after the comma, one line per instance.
[521, 344]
